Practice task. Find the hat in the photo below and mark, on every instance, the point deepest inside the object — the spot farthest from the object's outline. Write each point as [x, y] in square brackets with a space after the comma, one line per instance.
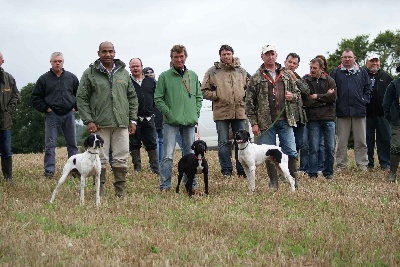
[267, 48]
[372, 56]
[145, 70]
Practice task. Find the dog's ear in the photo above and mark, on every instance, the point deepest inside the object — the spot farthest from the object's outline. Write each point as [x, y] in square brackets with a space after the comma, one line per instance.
[86, 143]
[193, 145]
[248, 134]
[205, 145]
[101, 140]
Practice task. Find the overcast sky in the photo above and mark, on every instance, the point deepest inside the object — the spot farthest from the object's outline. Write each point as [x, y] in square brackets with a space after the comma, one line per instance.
[31, 30]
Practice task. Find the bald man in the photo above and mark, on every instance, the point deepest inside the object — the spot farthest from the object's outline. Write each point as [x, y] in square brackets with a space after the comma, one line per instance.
[108, 106]
[9, 99]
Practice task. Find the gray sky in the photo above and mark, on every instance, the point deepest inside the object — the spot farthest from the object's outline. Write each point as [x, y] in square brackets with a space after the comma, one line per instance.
[31, 30]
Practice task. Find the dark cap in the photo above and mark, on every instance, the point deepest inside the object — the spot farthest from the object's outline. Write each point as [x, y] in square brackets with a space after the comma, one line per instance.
[145, 70]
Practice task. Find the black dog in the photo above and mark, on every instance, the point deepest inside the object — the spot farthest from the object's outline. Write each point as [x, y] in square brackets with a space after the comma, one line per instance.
[193, 163]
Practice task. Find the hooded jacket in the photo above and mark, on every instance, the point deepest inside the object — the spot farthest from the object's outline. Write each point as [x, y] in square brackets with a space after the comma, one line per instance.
[225, 85]
[107, 100]
[9, 98]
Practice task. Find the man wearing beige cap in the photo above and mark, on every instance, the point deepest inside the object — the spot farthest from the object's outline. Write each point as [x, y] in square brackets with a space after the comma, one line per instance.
[378, 129]
[269, 94]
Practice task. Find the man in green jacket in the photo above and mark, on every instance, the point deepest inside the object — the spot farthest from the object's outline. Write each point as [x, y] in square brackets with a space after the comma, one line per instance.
[9, 99]
[178, 97]
[108, 106]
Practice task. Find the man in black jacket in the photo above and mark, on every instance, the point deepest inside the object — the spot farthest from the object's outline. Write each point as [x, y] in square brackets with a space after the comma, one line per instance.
[146, 129]
[9, 99]
[55, 95]
[377, 125]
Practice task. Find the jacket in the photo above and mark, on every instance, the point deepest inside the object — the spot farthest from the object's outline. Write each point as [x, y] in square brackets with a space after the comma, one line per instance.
[179, 105]
[9, 98]
[322, 108]
[57, 93]
[353, 91]
[257, 103]
[225, 85]
[381, 81]
[298, 110]
[391, 102]
[107, 100]
[145, 95]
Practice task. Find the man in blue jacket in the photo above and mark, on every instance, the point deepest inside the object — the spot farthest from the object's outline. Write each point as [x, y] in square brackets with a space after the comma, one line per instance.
[353, 95]
[55, 95]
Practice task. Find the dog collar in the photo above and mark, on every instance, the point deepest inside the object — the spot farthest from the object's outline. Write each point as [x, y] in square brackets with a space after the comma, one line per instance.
[245, 146]
[198, 158]
[92, 152]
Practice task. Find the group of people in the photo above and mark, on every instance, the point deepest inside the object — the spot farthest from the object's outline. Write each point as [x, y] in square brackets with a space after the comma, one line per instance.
[131, 109]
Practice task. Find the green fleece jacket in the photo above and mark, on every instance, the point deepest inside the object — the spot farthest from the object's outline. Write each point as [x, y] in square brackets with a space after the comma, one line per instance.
[108, 100]
[172, 97]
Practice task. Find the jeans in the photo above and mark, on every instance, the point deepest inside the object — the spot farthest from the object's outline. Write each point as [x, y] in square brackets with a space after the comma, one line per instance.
[53, 124]
[286, 138]
[304, 153]
[382, 128]
[224, 148]
[169, 133]
[316, 129]
[5, 143]
[298, 135]
[160, 145]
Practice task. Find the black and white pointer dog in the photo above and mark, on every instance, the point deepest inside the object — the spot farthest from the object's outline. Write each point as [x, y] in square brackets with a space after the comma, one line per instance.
[193, 163]
[252, 155]
[87, 164]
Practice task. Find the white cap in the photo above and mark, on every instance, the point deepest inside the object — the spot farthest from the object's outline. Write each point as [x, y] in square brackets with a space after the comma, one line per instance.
[372, 56]
[267, 48]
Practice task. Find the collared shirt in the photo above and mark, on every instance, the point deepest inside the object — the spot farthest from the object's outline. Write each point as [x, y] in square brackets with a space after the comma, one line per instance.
[110, 73]
[138, 81]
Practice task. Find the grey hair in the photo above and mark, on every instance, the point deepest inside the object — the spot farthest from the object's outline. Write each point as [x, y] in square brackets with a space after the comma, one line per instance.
[56, 54]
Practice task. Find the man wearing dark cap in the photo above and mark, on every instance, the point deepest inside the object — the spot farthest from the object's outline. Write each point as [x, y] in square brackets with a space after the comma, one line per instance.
[391, 109]
[269, 96]
[377, 126]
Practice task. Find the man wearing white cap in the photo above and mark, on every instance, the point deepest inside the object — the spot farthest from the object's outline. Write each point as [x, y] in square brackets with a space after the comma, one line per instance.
[377, 126]
[271, 90]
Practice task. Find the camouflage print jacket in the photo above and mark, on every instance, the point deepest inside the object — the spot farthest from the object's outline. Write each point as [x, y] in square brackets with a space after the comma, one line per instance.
[257, 103]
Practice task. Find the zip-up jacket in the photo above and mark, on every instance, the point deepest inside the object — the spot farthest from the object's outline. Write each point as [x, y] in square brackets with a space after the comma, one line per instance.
[145, 95]
[322, 108]
[381, 81]
[353, 91]
[9, 98]
[57, 93]
[178, 98]
[108, 100]
[391, 102]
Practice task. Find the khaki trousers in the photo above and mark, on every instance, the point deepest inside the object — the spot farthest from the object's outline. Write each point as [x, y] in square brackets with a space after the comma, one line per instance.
[118, 140]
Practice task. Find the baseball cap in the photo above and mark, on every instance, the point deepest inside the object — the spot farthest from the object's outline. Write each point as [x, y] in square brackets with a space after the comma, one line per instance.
[145, 70]
[267, 48]
[372, 56]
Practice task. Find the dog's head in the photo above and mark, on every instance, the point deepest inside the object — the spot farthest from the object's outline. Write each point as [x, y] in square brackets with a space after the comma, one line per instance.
[275, 155]
[199, 147]
[242, 136]
[94, 141]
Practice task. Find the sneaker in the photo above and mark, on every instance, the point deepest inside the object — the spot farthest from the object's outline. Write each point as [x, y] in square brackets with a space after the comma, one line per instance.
[319, 173]
[49, 175]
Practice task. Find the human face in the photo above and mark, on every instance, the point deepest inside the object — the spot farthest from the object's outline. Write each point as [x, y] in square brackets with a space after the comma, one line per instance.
[226, 56]
[106, 53]
[373, 65]
[57, 64]
[136, 67]
[269, 59]
[315, 70]
[178, 59]
[1, 59]
[348, 59]
[151, 74]
[291, 63]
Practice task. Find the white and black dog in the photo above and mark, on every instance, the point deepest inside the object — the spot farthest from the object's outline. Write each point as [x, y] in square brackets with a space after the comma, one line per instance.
[87, 164]
[252, 155]
[193, 163]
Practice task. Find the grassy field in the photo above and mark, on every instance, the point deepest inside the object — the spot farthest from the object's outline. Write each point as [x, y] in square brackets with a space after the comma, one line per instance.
[352, 220]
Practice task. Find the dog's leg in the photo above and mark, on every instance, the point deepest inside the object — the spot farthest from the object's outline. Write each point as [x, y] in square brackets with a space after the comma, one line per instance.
[189, 184]
[251, 176]
[205, 172]
[180, 175]
[83, 183]
[97, 183]
[60, 182]
[285, 171]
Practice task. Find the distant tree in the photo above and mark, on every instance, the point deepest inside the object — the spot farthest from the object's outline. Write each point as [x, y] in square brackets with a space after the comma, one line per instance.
[27, 135]
[359, 45]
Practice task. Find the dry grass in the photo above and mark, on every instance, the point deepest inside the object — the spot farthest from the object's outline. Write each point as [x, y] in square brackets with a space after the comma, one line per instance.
[352, 220]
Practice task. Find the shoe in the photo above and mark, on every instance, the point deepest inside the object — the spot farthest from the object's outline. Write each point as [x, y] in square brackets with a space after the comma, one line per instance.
[387, 168]
[363, 168]
[340, 169]
[328, 177]
[319, 173]
[227, 174]
[164, 190]
[313, 176]
[49, 175]
[242, 175]
[391, 178]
